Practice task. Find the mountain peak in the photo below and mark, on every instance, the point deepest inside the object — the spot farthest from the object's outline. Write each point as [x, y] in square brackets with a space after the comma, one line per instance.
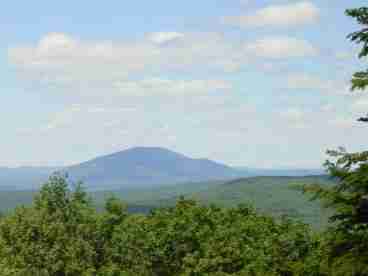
[149, 150]
[145, 153]
[148, 166]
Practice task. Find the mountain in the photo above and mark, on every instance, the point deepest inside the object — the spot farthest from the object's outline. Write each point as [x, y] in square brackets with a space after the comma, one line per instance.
[138, 167]
[147, 166]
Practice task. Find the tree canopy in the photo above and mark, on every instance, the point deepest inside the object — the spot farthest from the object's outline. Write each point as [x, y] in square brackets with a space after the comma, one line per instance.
[62, 234]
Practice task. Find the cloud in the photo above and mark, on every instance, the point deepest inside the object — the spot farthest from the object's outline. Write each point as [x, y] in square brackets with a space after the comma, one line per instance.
[327, 108]
[56, 43]
[293, 114]
[286, 15]
[360, 105]
[344, 123]
[307, 81]
[165, 37]
[61, 61]
[344, 55]
[58, 52]
[281, 48]
[244, 2]
[156, 86]
[295, 117]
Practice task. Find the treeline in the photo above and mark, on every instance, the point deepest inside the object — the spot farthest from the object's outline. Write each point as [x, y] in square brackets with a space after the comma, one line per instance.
[63, 234]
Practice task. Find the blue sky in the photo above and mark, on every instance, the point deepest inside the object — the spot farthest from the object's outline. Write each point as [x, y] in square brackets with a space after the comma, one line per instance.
[245, 82]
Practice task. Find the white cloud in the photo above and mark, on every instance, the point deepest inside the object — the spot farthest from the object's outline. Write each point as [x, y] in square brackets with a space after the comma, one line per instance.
[58, 52]
[61, 61]
[345, 55]
[165, 37]
[56, 42]
[281, 48]
[360, 105]
[295, 117]
[87, 115]
[328, 108]
[343, 123]
[313, 83]
[286, 15]
[245, 2]
[293, 114]
[156, 86]
[307, 81]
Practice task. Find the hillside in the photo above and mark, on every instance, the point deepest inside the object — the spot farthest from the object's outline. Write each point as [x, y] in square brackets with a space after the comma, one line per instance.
[272, 195]
[276, 195]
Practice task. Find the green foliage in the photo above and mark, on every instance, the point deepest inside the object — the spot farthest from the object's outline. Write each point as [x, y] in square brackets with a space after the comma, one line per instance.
[361, 36]
[62, 234]
[54, 236]
[348, 235]
[191, 239]
[360, 79]
[276, 196]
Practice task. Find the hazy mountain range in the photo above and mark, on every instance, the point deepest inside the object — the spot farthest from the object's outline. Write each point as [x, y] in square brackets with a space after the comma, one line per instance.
[137, 167]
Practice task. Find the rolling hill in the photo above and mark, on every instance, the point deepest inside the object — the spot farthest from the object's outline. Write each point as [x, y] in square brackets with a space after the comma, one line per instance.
[275, 195]
[272, 195]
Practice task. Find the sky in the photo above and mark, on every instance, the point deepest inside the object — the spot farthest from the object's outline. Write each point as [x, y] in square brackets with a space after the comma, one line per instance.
[244, 82]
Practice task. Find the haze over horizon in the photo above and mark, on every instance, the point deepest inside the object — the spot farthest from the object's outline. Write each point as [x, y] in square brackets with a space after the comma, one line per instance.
[233, 81]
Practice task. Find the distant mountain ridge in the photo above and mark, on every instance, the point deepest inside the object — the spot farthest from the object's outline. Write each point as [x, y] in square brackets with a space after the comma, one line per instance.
[143, 166]
[134, 168]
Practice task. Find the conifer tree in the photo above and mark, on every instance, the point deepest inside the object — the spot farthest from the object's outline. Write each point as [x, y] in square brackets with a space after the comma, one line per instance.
[348, 234]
